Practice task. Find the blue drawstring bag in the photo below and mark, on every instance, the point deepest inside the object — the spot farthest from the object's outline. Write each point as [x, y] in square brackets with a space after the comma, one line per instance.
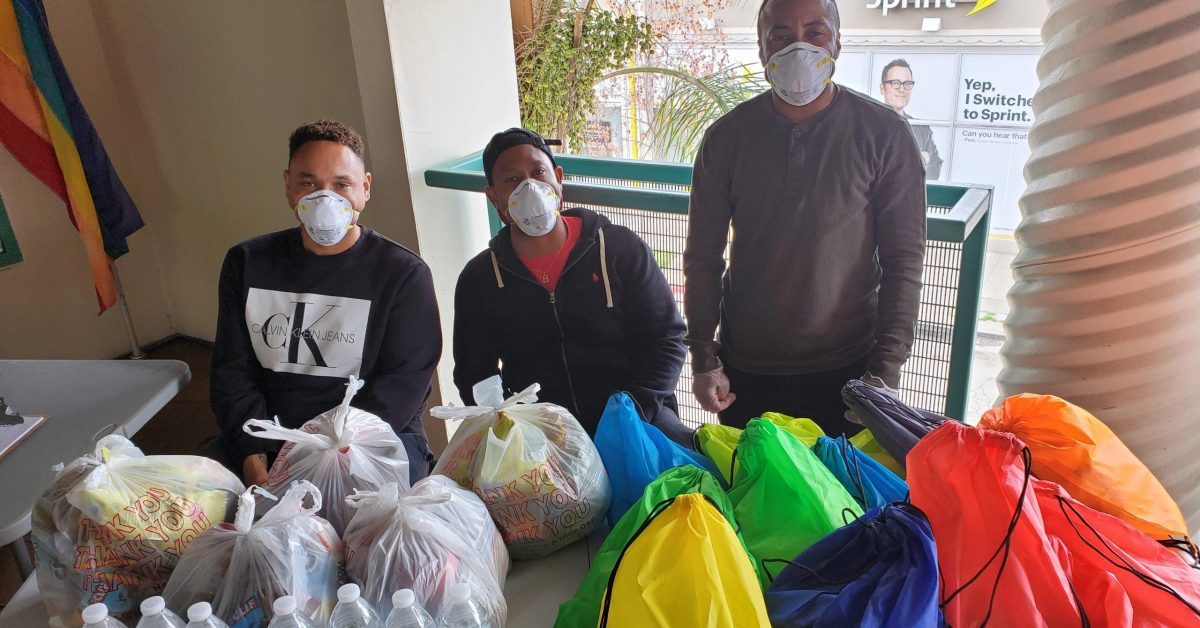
[881, 570]
[871, 484]
[635, 453]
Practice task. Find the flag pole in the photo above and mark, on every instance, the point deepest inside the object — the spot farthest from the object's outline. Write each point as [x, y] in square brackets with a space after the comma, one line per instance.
[135, 347]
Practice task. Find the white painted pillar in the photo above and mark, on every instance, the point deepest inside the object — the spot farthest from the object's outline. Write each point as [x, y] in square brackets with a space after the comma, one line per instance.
[437, 79]
[1106, 306]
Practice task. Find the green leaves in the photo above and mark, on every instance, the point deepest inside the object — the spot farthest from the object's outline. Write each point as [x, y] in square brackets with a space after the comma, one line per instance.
[685, 113]
[570, 49]
[575, 45]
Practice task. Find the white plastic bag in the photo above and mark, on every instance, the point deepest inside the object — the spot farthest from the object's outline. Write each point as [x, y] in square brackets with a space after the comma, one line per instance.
[532, 464]
[242, 568]
[340, 451]
[114, 524]
[462, 510]
[426, 541]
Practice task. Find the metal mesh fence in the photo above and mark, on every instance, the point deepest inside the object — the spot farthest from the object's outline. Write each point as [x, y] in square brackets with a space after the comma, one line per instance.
[925, 377]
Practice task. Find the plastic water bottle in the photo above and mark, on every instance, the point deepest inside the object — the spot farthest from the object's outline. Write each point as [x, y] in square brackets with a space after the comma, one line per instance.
[96, 616]
[155, 614]
[352, 611]
[287, 615]
[406, 613]
[200, 615]
[460, 611]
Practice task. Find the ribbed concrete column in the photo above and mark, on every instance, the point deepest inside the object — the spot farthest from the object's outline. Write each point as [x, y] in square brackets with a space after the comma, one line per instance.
[1106, 307]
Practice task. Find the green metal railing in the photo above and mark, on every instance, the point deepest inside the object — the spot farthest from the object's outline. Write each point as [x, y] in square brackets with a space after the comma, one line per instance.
[651, 198]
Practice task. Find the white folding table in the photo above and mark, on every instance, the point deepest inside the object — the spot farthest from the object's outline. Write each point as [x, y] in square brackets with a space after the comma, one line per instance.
[82, 400]
[87, 399]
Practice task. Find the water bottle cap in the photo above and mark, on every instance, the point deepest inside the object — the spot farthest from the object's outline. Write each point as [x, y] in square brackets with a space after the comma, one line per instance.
[285, 605]
[95, 613]
[153, 605]
[348, 593]
[459, 592]
[403, 598]
[199, 611]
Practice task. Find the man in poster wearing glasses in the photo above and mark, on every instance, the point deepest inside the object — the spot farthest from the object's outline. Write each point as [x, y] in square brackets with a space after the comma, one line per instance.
[896, 85]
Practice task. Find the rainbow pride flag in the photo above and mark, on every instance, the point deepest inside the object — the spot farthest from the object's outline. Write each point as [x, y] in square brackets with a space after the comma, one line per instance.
[44, 125]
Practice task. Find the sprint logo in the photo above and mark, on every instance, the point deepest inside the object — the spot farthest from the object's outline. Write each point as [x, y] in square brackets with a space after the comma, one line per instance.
[887, 5]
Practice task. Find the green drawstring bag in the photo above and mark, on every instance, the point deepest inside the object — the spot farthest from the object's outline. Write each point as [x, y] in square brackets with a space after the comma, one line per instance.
[717, 442]
[805, 429]
[783, 496]
[584, 609]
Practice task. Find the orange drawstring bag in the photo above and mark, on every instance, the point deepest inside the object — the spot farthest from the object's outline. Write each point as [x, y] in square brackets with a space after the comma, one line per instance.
[1077, 451]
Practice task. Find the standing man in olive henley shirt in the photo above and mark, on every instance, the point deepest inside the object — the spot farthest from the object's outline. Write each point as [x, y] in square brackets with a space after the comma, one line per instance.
[825, 191]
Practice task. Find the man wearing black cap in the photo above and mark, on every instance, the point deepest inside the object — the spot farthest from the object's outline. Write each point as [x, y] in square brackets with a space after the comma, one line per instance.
[565, 299]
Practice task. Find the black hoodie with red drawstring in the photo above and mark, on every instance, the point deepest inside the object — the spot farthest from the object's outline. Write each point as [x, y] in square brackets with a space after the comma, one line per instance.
[610, 325]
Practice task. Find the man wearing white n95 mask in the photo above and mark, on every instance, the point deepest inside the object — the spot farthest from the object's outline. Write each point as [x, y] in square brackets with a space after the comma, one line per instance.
[303, 309]
[565, 299]
[824, 190]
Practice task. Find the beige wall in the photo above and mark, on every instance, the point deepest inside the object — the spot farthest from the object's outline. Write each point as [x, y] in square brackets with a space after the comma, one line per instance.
[451, 99]
[47, 303]
[195, 102]
[1003, 15]
[213, 89]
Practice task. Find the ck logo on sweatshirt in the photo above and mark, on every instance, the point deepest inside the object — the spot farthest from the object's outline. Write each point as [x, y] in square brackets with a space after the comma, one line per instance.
[307, 334]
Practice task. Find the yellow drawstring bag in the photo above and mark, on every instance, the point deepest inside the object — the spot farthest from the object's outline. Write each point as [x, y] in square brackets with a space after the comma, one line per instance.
[805, 429]
[686, 568]
[866, 443]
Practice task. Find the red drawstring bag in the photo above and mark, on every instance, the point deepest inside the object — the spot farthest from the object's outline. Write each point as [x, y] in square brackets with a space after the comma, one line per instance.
[1077, 451]
[997, 564]
[1122, 576]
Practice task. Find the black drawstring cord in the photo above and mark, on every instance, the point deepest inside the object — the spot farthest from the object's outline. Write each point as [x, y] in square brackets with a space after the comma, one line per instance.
[732, 464]
[1124, 565]
[850, 460]
[1005, 545]
[658, 509]
[871, 527]
[1186, 546]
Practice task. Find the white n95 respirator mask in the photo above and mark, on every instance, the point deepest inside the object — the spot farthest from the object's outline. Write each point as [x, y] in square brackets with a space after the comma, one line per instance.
[326, 216]
[799, 73]
[533, 207]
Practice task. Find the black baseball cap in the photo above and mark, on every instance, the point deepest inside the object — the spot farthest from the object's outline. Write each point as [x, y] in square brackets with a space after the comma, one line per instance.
[505, 140]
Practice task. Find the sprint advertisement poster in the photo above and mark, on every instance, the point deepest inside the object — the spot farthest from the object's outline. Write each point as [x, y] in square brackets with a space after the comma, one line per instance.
[991, 135]
[970, 113]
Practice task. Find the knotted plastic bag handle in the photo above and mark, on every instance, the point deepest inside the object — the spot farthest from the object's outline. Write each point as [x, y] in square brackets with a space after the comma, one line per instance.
[274, 431]
[488, 393]
[244, 519]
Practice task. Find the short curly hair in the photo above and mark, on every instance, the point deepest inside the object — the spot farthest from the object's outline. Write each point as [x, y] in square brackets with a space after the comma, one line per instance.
[328, 131]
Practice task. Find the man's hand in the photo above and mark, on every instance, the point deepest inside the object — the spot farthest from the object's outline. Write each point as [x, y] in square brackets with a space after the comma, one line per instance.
[925, 156]
[712, 390]
[254, 470]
